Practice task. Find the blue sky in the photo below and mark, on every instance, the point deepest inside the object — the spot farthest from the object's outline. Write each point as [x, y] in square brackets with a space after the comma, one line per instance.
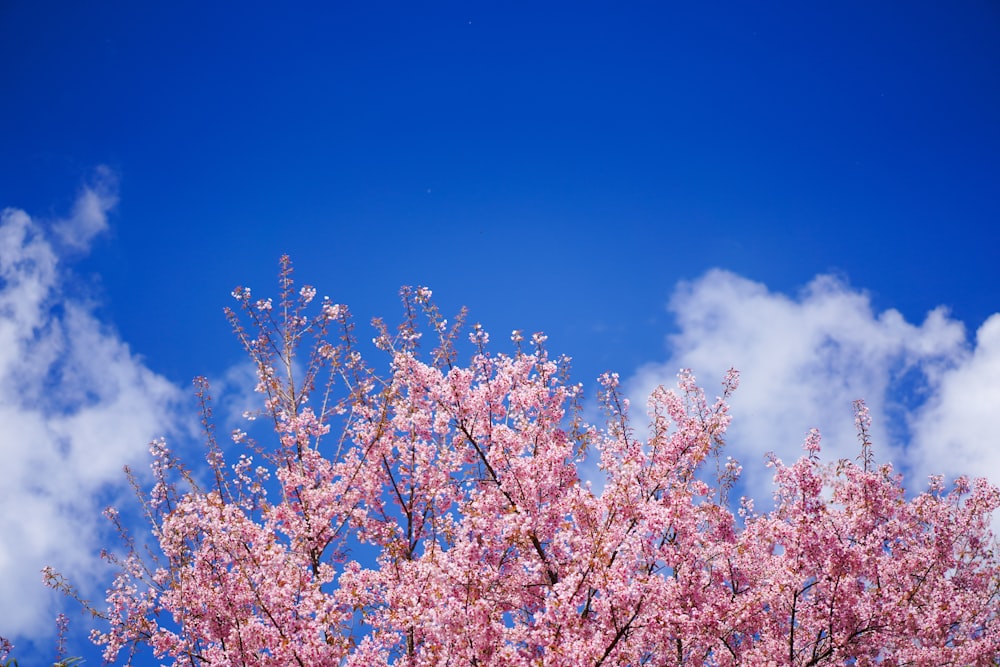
[789, 189]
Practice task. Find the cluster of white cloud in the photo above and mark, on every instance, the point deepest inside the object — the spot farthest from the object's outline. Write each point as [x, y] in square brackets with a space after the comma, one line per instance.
[933, 396]
[75, 405]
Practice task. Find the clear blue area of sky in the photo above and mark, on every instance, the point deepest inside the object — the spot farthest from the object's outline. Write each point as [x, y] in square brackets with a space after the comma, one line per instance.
[552, 165]
[555, 166]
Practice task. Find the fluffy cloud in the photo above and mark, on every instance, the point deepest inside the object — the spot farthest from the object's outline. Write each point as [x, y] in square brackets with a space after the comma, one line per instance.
[957, 431]
[804, 359]
[75, 405]
[90, 212]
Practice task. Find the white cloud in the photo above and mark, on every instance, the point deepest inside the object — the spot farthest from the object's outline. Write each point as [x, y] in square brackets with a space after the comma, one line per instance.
[90, 212]
[957, 431]
[803, 360]
[75, 406]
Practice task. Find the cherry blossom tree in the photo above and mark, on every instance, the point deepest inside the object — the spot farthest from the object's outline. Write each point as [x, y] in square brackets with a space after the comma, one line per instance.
[436, 513]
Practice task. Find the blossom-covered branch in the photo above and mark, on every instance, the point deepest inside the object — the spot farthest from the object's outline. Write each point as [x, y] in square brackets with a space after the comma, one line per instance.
[436, 514]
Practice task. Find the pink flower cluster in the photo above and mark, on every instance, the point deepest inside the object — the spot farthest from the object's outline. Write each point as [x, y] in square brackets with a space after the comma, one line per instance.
[486, 547]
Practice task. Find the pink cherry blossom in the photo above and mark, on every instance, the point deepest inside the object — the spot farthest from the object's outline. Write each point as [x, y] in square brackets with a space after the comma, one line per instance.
[436, 514]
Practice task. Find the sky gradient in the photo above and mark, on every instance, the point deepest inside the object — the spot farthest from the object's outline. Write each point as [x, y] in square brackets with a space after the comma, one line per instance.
[807, 193]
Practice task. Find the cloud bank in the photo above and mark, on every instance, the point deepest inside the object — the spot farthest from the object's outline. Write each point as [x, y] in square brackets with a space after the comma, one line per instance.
[75, 406]
[803, 360]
